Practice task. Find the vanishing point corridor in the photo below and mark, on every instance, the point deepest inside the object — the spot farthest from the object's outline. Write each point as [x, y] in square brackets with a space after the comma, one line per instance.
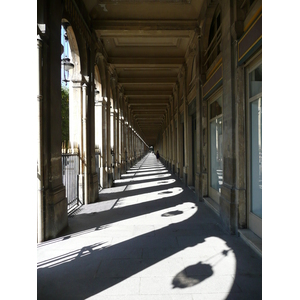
[148, 238]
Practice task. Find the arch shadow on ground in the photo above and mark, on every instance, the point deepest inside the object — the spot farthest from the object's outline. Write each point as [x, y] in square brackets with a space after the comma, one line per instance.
[96, 263]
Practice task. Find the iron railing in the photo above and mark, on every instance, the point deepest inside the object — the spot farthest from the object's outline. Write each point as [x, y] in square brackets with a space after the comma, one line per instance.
[70, 173]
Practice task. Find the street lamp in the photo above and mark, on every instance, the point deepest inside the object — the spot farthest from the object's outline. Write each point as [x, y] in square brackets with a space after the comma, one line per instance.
[65, 61]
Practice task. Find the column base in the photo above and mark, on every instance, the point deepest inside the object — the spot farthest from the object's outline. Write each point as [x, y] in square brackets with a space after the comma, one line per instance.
[228, 209]
[56, 212]
[93, 189]
[185, 179]
[110, 180]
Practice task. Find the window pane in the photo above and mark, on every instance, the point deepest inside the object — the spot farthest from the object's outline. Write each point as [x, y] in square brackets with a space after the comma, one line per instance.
[216, 154]
[216, 108]
[255, 80]
[256, 157]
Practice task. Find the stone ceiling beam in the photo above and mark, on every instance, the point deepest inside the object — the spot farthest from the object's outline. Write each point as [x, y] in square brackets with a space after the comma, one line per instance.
[147, 93]
[146, 62]
[146, 25]
[156, 80]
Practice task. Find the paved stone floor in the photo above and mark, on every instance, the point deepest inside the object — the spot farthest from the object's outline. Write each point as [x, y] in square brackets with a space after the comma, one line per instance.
[147, 238]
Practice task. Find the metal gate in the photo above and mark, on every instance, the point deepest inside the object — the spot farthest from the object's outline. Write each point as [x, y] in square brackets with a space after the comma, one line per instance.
[70, 172]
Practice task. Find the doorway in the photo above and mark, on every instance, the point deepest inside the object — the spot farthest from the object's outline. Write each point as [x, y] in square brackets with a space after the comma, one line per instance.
[215, 147]
[254, 136]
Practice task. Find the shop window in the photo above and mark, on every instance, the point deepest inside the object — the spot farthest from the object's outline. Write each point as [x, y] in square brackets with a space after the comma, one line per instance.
[255, 81]
[216, 108]
[216, 147]
[254, 157]
[255, 102]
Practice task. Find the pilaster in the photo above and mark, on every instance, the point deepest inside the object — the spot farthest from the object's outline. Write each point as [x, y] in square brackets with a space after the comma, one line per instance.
[228, 207]
[186, 133]
[99, 134]
[178, 139]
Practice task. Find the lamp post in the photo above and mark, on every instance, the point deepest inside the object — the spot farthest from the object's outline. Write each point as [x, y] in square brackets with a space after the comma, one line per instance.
[66, 63]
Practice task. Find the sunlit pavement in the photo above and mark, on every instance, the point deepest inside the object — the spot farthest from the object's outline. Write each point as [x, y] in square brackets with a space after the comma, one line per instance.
[147, 238]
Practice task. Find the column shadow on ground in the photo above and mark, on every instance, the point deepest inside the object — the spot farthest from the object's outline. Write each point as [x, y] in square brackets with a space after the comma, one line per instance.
[94, 268]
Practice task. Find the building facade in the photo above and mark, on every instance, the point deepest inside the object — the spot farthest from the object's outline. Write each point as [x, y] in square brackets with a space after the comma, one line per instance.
[210, 131]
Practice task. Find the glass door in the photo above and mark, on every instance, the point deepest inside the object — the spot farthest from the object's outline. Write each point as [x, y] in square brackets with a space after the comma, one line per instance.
[255, 148]
[216, 148]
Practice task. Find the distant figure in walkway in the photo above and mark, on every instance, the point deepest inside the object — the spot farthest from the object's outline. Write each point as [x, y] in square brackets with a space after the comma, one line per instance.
[157, 155]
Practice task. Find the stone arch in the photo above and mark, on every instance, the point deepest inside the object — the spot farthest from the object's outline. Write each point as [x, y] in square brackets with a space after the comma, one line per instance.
[75, 130]
[74, 55]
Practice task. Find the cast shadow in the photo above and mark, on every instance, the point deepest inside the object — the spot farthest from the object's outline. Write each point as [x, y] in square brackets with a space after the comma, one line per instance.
[192, 275]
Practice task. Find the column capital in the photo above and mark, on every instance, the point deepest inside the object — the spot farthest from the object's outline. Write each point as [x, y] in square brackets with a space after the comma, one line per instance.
[176, 87]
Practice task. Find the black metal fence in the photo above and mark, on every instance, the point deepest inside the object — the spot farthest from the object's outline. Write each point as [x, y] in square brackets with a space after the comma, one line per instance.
[70, 172]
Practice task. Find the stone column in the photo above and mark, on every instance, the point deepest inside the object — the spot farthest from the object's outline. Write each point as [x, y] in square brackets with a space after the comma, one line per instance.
[99, 134]
[199, 139]
[166, 139]
[84, 143]
[129, 141]
[169, 138]
[40, 178]
[55, 201]
[126, 132]
[135, 146]
[75, 125]
[162, 151]
[129, 137]
[108, 124]
[237, 30]
[117, 140]
[228, 207]
[176, 91]
[112, 140]
[127, 145]
[122, 144]
[172, 135]
[104, 141]
[203, 123]
[93, 191]
[186, 133]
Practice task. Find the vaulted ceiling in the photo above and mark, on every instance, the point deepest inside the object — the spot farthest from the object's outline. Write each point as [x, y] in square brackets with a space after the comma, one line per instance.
[146, 42]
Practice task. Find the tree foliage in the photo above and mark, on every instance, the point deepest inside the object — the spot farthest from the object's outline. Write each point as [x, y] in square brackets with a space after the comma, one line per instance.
[65, 113]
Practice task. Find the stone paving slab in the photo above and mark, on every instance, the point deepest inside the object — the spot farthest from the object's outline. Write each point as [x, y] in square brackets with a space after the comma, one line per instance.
[147, 238]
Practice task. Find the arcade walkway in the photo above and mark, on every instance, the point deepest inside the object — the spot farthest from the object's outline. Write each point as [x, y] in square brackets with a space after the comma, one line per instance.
[148, 238]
